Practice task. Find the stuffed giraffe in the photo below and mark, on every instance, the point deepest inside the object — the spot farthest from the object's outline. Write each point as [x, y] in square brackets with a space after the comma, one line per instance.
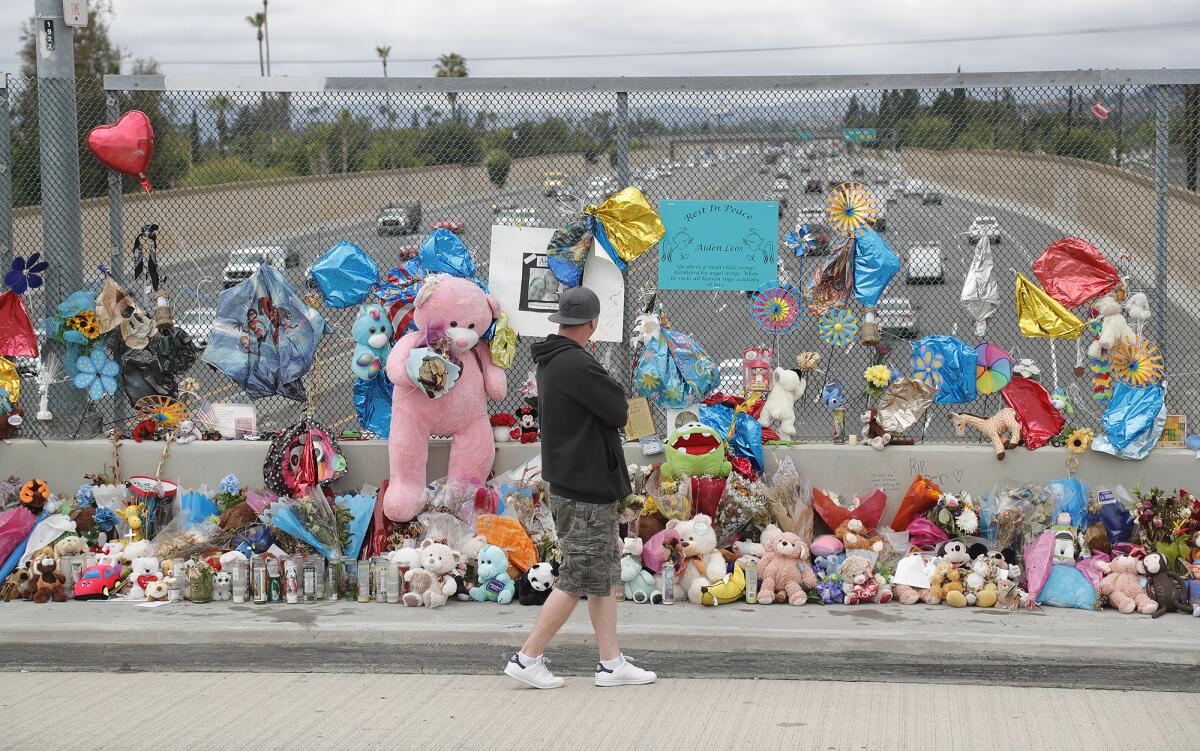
[992, 427]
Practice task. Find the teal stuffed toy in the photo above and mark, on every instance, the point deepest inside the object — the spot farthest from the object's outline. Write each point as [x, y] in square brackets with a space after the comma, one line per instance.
[494, 582]
[372, 332]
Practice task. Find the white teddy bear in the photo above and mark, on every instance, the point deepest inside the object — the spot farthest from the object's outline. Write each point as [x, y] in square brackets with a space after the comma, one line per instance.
[1113, 328]
[146, 569]
[703, 565]
[781, 402]
[222, 585]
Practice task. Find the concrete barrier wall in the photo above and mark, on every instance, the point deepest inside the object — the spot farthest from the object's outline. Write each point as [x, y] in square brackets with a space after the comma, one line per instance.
[843, 469]
[1111, 203]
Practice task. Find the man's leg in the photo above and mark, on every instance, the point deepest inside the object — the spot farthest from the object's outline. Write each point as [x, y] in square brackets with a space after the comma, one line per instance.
[555, 612]
[603, 612]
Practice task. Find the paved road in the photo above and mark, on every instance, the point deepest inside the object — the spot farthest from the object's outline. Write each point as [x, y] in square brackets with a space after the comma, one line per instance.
[296, 711]
[719, 320]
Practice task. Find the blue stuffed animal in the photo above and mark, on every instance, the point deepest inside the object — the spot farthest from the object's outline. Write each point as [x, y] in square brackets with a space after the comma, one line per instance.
[372, 331]
[494, 582]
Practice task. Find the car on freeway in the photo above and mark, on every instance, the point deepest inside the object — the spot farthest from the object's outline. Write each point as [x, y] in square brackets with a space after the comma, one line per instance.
[765, 169]
[398, 218]
[812, 185]
[664, 169]
[244, 262]
[812, 232]
[984, 225]
[914, 188]
[598, 189]
[651, 174]
[897, 317]
[925, 264]
[553, 183]
[782, 183]
[517, 217]
[503, 204]
[454, 225]
[931, 198]
[198, 323]
[858, 172]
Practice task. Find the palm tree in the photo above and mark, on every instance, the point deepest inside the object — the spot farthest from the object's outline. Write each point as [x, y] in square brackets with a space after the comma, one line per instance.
[221, 104]
[267, 36]
[383, 53]
[258, 20]
[343, 127]
[451, 65]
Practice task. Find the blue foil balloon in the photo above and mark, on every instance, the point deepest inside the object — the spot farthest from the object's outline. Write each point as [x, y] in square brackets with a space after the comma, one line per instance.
[1133, 421]
[444, 253]
[746, 441]
[874, 266]
[950, 363]
[373, 403]
[345, 275]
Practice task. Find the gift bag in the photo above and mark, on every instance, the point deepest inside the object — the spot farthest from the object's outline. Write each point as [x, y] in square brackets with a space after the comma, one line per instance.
[674, 371]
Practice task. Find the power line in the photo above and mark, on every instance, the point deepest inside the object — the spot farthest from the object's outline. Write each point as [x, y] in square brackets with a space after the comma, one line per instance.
[1128, 28]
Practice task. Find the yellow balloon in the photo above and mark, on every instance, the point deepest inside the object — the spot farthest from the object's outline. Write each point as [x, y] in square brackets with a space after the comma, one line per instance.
[1040, 315]
[9, 380]
[504, 343]
[630, 222]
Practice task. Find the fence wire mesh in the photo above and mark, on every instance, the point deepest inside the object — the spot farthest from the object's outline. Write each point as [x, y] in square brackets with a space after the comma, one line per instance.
[237, 171]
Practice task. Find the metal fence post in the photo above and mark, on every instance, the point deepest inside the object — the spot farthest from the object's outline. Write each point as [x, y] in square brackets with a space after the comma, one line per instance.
[623, 177]
[1162, 128]
[6, 170]
[116, 240]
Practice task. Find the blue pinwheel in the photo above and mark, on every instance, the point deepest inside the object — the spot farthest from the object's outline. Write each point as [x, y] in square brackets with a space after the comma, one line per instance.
[25, 274]
[96, 374]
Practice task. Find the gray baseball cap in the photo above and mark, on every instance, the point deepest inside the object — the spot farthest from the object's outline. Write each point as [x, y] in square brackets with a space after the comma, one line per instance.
[575, 306]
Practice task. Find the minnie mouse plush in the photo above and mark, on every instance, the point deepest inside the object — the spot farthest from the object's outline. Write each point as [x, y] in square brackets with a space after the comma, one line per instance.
[526, 429]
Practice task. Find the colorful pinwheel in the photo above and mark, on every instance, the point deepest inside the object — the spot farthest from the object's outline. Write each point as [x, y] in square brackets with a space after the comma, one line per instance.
[838, 327]
[96, 374]
[25, 274]
[852, 209]
[777, 309]
[163, 410]
[1137, 362]
[927, 366]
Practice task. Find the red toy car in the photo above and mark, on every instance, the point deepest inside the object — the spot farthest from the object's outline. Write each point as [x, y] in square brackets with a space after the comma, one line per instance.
[454, 225]
[97, 582]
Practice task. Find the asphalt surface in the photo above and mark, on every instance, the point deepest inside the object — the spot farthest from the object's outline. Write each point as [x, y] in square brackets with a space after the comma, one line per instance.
[719, 320]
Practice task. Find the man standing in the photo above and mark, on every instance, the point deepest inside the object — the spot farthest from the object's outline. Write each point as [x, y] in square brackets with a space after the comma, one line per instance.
[580, 408]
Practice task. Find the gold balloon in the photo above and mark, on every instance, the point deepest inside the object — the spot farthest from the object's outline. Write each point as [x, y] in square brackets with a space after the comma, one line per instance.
[504, 343]
[903, 405]
[9, 380]
[1040, 315]
[630, 222]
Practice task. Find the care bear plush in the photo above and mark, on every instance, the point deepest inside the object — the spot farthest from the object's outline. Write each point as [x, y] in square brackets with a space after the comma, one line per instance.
[1122, 585]
[785, 570]
[787, 389]
[372, 332]
[463, 313]
[494, 582]
[433, 583]
[702, 564]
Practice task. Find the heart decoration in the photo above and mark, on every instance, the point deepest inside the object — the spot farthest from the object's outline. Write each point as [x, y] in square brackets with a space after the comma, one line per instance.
[125, 146]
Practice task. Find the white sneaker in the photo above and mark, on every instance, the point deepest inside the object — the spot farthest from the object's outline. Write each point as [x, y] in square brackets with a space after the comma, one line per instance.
[625, 674]
[533, 674]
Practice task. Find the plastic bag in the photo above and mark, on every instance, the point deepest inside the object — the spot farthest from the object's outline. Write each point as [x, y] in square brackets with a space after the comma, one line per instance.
[440, 525]
[866, 510]
[1070, 497]
[185, 536]
[15, 526]
[507, 534]
[1067, 587]
[922, 495]
[1006, 513]
[674, 499]
[791, 500]
[1111, 509]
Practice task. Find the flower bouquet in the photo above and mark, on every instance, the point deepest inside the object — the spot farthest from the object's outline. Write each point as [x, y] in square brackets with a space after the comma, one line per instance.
[1163, 522]
[745, 503]
[311, 519]
[957, 514]
[200, 576]
[790, 500]
[1007, 513]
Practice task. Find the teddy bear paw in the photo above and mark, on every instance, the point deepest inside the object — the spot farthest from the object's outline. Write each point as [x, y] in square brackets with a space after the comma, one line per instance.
[956, 599]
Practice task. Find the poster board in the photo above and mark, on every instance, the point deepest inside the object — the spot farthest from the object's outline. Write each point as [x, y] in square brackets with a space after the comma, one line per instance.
[521, 280]
[718, 245]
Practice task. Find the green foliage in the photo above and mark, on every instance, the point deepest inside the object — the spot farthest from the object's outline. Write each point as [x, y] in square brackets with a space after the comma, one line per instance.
[450, 143]
[230, 168]
[498, 163]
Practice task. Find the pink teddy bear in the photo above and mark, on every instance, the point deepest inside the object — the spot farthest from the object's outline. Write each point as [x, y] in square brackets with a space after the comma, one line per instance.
[785, 570]
[464, 312]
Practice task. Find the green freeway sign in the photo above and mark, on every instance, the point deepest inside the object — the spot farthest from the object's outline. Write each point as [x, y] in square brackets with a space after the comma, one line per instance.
[859, 134]
[805, 135]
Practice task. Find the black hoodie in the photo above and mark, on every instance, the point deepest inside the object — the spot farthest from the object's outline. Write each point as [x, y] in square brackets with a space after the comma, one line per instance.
[580, 409]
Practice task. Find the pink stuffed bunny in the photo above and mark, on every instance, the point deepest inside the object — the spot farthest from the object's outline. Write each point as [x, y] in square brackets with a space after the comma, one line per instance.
[462, 313]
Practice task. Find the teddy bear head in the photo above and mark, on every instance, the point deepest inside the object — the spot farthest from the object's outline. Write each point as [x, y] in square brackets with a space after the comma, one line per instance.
[1108, 306]
[541, 575]
[372, 327]
[407, 557]
[71, 545]
[455, 308]
[438, 558]
[855, 566]
[135, 550]
[46, 565]
[222, 579]
[788, 381]
[697, 536]
[492, 561]
[146, 566]
[787, 545]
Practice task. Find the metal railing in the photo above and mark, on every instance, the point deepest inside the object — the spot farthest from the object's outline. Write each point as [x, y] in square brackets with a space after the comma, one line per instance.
[1108, 156]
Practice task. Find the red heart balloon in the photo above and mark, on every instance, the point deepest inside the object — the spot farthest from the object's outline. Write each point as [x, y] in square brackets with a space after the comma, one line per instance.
[126, 145]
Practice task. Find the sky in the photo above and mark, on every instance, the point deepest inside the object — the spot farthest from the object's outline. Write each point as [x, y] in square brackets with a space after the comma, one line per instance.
[313, 33]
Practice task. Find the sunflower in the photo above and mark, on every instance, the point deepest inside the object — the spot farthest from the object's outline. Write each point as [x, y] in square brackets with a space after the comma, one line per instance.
[84, 322]
[1080, 441]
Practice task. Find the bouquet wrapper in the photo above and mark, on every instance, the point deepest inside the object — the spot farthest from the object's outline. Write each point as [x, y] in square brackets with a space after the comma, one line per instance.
[15, 526]
[706, 495]
[922, 495]
[507, 534]
[1116, 520]
[18, 552]
[46, 532]
[868, 510]
[653, 554]
[924, 534]
[360, 507]
[1067, 587]
[195, 509]
[1038, 556]
[1070, 497]
[1087, 567]
[442, 526]
[284, 519]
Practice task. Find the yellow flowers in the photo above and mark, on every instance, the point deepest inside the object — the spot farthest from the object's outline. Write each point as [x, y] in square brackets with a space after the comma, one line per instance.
[85, 323]
[878, 375]
[1080, 441]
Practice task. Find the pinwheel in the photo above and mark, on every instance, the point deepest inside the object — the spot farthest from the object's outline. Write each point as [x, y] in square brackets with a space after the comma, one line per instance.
[851, 209]
[163, 410]
[25, 274]
[838, 327]
[993, 368]
[96, 374]
[1137, 362]
[777, 309]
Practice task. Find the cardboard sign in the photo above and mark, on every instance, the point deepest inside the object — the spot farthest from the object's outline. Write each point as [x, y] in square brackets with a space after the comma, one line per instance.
[641, 422]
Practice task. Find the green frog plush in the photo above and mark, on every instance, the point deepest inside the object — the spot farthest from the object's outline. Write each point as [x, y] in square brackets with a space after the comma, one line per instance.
[694, 450]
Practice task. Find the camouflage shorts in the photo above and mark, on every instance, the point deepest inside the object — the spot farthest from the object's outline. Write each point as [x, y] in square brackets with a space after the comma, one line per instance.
[591, 547]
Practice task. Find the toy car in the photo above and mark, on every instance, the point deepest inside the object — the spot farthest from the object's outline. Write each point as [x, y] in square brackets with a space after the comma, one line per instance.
[97, 582]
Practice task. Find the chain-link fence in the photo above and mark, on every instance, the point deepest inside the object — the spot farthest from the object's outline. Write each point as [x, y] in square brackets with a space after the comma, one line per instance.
[236, 170]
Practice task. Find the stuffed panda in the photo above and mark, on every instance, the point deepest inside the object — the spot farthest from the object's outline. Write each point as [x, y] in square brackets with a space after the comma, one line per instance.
[535, 584]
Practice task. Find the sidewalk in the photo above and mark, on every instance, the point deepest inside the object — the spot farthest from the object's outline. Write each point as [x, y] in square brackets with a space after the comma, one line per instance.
[236, 712]
[893, 643]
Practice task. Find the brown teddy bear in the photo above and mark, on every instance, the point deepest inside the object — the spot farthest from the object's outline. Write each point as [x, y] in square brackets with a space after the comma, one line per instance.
[860, 583]
[785, 568]
[49, 581]
[1164, 585]
[946, 583]
[1122, 585]
[855, 536]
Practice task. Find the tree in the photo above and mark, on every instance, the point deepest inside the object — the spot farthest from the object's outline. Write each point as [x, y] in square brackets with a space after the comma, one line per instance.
[383, 53]
[258, 20]
[852, 112]
[449, 143]
[498, 162]
[451, 65]
[194, 137]
[267, 36]
[221, 104]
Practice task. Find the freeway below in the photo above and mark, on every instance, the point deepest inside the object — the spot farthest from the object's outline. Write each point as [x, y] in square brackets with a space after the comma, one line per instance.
[719, 320]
